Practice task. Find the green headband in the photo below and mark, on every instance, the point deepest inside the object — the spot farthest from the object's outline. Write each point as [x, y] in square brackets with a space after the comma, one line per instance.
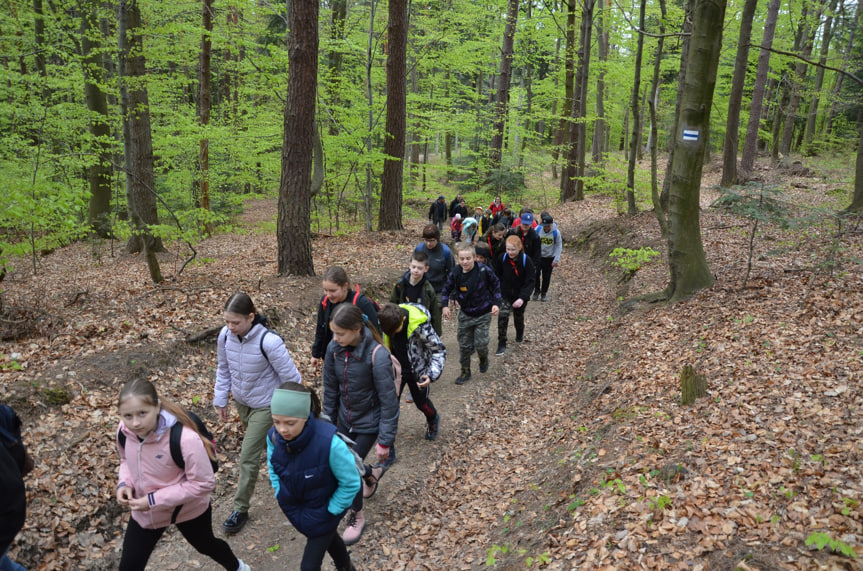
[295, 404]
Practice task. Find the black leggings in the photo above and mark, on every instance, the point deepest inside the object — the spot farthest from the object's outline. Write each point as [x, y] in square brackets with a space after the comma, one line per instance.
[363, 444]
[332, 543]
[420, 396]
[139, 543]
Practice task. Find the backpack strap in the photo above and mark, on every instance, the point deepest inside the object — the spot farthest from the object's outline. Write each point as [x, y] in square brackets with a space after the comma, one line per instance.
[121, 438]
[174, 444]
[264, 353]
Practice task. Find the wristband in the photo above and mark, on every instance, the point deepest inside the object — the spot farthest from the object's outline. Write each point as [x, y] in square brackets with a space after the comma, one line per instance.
[382, 450]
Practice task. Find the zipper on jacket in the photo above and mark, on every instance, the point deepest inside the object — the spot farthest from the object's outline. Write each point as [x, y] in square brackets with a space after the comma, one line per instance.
[347, 398]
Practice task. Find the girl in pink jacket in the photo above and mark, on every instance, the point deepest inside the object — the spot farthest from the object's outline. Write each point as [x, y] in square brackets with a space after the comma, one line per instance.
[155, 489]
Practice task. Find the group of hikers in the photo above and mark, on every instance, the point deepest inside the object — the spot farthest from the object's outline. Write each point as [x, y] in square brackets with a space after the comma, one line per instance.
[316, 445]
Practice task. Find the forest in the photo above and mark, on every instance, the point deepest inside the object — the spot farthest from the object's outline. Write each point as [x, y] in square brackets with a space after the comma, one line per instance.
[159, 156]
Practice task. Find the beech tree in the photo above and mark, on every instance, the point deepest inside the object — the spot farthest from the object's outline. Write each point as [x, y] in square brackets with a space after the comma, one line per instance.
[503, 79]
[390, 209]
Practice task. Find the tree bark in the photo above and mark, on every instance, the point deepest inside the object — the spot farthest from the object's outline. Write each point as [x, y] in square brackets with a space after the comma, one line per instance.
[735, 97]
[681, 81]
[600, 140]
[809, 133]
[500, 107]
[569, 84]
[800, 70]
[750, 144]
[634, 143]
[837, 89]
[293, 226]
[204, 104]
[390, 209]
[687, 262]
[137, 137]
[569, 177]
[652, 103]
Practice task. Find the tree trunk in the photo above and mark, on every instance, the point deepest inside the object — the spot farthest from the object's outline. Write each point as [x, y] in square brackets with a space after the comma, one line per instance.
[837, 88]
[293, 226]
[809, 133]
[99, 173]
[569, 172]
[857, 202]
[797, 84]
[634, 143]
[600, 142]
[729, 151]
[686, 259]
[137, 137]
[334, 58]
[390, 209]
[569, 83]
[581, 139]
[502, 98]
[750, 145]
[652, 103]
[693, 385]
[204, 104]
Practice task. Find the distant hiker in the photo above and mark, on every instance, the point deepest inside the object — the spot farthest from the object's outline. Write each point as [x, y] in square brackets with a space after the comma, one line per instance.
[360, 397]
[476, 290]
[455, 226]
[313, 472]
[496, 206]
[529, 239]
[551, 245]
[517, 275]
[158, 491]
[470, 230]
[504, 217]
[252, 362]
[454, 204]
[525, 216]
[494, 239]
[337, 290]
[485, 222]
[414, 287]
[440, 262]
[438, 212]
[409, 336]
[461, 208]
[15, 463]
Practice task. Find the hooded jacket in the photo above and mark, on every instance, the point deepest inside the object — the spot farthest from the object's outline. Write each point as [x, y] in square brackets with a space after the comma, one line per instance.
[323, 334]
[175, 495]
[475, 291]
[359, 393]
[438, 211]
[551, 243]
[247, 373]
[440, 262]
[429, 297]
[426, 351]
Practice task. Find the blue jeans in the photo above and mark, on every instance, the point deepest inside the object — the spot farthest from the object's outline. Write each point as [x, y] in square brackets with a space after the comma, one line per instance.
[7, 564]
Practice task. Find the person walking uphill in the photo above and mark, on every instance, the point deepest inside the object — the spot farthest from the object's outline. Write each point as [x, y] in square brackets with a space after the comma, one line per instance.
[440, 263]
[337, 290]
[551, 245]
[360, 396]
[516, 273]
[313, 472]
[438, 212]
[476, 289]
[252, 362]
[155, 488]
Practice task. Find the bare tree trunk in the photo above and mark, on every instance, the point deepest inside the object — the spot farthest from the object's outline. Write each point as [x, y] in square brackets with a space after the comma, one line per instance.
[652, 103]
[800, 70]
[500, 108]
[750, 144]
[390, 209]
[600, 142]
[687, 262]
[632, 208]
[570, 169]
[729, 151]
[809, 133]
[581, 140]
[569, 84]
[837, 89]
[204, 105]
[293, 231]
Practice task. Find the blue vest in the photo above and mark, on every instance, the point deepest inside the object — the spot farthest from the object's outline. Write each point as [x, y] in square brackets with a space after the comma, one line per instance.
[306, 482]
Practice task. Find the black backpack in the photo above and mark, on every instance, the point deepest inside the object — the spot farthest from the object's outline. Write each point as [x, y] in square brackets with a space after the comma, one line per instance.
[10, 438]
[174, 442]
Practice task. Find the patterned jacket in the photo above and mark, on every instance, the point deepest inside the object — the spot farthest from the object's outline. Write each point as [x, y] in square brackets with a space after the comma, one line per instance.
[426, 351]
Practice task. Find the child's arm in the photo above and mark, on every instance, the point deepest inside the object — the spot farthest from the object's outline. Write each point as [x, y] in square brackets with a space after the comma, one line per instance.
[281, 360]
[199, 480]
[223, 372]
[394, 296]
[344, 468]
[331, 400]
[124, 474]
[274, 479]
[432, 342]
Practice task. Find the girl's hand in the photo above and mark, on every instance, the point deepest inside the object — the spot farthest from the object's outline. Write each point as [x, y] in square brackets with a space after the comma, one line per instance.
[446, 312]
[139, 504]
[124, 495]
[382, 452]
[424, 381]
[223, 413]
[316, 362]
[517, 303]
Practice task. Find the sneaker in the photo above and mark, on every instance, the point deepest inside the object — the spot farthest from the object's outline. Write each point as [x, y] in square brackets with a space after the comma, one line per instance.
[409, 399]
[370, 483]
[535, 296]
[483, 365]
[235, 522]
[501, 349]
[243, 567]
[519, 337]
[544, 297]
[356, 525]
[431, 431]
[464, 377]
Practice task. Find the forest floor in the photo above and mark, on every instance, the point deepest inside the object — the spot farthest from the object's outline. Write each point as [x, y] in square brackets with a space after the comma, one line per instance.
[573, 451]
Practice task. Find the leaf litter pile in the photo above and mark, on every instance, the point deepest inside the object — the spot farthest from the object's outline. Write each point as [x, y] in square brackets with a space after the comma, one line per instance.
[575, 452]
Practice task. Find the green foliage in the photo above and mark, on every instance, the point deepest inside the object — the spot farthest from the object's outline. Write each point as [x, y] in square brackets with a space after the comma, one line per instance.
[822, 540]
[632, 260]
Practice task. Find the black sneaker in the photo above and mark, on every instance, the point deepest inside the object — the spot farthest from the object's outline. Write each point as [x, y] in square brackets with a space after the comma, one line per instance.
[464, 377]
[535, 296]
[431, 431]
[519, 337]
[501, 349]
[544, 297]
[235, 522]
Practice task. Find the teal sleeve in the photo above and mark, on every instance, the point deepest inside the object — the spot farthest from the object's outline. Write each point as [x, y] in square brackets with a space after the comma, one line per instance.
[345, 470]
[274, 479]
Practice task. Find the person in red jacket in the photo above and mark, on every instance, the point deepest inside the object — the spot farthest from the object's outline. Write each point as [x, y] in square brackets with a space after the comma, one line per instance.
[155, 489]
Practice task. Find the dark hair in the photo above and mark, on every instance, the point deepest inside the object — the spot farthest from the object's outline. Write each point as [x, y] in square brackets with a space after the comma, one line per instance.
[507, 212]
[431, 232]
[390, 317]
[420, 256]
[336, 275]
[349, 316]
[498, 227]
[145, 390]
[240, 303]
[316, 400]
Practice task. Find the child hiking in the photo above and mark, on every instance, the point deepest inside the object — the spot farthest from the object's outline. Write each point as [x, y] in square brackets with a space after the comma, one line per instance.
[414, 286]
[476, 290]
[408, 334]
[252, 362]
[15, 463]
[516, 272]
[440, 262]
[158, 491]
[313, 472]
[360, 397]
[551, 245]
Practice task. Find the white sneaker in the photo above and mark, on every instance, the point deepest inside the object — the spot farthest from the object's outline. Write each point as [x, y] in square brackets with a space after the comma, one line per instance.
[243, 567]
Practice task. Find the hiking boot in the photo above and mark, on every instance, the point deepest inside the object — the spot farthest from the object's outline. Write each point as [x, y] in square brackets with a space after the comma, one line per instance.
[501, 348]
[464, 377]
[235, 522]
[483, 364]
[431, 431]
[370, 483]
[243, 566]
[356, 525]
[544, 297]
[519, 337]
[535, 296]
